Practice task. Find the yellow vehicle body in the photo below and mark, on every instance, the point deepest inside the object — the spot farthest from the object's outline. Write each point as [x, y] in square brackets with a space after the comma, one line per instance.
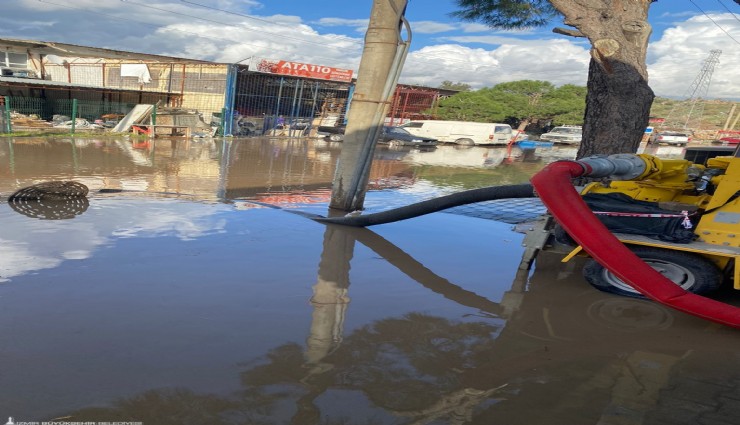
[673, 184]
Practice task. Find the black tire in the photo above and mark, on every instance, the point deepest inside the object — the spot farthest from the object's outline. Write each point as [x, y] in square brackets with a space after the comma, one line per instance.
[465, 142]
[692, 272]
[336, 137]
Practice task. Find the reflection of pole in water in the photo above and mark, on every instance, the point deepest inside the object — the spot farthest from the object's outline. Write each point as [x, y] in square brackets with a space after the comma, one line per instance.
[223, 172]
[11, 157]
[330, 298]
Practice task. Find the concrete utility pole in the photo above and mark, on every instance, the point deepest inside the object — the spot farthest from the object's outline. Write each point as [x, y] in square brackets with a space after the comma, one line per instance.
[382, 59]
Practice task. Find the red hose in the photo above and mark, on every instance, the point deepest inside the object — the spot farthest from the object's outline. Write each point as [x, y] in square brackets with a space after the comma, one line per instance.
[554, 187]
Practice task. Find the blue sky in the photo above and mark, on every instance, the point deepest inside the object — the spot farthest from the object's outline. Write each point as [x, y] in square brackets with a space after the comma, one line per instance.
[330, 33]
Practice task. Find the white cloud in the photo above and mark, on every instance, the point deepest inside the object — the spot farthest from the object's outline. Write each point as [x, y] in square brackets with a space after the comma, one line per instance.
[54, 242]
[430, 27]
[475, 27]
[358, 25]
[62, 5]
[676, 59]
[342, 22]
[557, 60]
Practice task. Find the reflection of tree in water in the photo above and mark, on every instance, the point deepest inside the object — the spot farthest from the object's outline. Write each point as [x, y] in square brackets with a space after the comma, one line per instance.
[413, 367]
[164, 407]
[407, 366]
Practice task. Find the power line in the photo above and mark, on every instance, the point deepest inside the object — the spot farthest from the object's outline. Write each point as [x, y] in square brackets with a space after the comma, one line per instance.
[727, 9]
[273, 34]
[416, 55]
[338, 37]
[714, 22]
[172, 29]
[230, 12]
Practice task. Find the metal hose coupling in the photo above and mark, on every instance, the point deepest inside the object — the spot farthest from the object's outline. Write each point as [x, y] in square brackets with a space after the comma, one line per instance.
[622, 166]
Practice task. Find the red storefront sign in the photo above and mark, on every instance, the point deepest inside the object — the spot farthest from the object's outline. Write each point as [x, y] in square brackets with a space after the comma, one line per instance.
[307, 70]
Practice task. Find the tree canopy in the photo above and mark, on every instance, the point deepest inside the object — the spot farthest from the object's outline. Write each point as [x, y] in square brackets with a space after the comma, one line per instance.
[459, 86]
[618, 32]
[507, 14]
[516, 101]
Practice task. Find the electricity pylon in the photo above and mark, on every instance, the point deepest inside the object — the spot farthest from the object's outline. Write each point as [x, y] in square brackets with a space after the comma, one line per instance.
[688, 113]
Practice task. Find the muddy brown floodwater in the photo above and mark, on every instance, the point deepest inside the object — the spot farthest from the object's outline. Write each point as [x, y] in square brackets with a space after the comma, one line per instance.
[186, 299]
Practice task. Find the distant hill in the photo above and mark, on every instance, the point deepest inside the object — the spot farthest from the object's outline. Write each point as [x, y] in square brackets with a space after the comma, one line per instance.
[713, 117]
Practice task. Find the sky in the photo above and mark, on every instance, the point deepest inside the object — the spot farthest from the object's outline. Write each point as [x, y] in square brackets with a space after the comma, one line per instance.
[331, 32]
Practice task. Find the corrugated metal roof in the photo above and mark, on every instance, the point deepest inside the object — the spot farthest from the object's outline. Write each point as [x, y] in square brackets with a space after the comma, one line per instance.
[36, 82]
[49, 48]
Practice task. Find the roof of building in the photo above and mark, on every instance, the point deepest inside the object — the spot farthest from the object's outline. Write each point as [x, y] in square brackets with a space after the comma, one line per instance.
[35, 82]
[64, 49]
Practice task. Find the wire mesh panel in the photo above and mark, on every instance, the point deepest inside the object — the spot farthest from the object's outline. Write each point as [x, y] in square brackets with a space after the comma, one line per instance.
[411, 103]
[197, 86]
[58, 102]
[202, 87]
[26, 105]
[286, 106]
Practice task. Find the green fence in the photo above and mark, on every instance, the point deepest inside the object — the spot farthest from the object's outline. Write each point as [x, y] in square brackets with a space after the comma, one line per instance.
[61, 109]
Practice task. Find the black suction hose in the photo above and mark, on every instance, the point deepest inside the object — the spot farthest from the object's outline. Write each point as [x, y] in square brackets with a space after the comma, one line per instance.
[433, 205]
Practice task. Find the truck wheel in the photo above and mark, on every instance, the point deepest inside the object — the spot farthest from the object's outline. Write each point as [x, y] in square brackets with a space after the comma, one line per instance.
[336, 137]
[466, 142]
[691, 272]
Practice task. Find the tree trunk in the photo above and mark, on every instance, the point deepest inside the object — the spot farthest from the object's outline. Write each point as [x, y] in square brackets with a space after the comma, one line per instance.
[619, 98]
[617, 110]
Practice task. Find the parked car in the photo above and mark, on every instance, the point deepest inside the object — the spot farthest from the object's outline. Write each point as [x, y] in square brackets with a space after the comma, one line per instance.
[564, 134]
[677, 138]
[392, 136]
[397, 136]
[464, 133]
[331, 132]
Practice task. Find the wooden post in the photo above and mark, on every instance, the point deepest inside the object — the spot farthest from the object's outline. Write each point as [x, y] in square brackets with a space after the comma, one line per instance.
[729, 116]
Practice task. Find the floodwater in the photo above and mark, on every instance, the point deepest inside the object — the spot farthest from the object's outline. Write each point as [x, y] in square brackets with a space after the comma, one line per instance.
[184, 299]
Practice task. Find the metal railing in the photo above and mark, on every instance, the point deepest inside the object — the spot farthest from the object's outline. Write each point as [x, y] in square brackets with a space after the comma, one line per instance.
[59, 111]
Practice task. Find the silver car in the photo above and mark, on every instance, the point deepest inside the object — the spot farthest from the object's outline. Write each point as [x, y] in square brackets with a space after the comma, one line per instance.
[678, 138]
[564, 134]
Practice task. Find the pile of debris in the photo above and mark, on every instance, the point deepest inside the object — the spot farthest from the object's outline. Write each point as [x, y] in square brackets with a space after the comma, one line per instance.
[27, 121]
[63, 121]
[23, 121]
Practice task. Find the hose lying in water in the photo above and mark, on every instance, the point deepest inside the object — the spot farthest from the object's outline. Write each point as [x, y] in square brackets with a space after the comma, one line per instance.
[434, 205]
[554, 187]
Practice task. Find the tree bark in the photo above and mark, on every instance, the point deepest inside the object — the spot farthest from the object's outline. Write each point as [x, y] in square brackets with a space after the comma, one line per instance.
[619, 98]
[617, 110]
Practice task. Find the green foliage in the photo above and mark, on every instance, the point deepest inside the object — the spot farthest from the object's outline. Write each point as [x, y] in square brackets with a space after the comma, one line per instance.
[449, 85]
[507, 14]
[713, 117]
[515, 101]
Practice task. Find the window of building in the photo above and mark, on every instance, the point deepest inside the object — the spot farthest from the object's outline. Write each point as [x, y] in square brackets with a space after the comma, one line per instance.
[14, 60]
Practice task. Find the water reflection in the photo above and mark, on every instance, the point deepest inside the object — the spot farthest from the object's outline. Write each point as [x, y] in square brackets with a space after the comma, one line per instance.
[50, 210]
[579, 355]
[253, 168]
[54, 200]
[171, 309]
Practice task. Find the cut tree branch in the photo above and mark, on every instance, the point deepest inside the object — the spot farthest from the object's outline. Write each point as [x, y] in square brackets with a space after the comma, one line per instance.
[568, 32]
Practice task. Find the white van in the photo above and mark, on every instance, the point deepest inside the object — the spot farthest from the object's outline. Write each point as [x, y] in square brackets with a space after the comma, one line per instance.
[461, 132]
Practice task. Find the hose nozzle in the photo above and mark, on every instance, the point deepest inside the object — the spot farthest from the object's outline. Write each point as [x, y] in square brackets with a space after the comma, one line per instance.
[623, 166]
